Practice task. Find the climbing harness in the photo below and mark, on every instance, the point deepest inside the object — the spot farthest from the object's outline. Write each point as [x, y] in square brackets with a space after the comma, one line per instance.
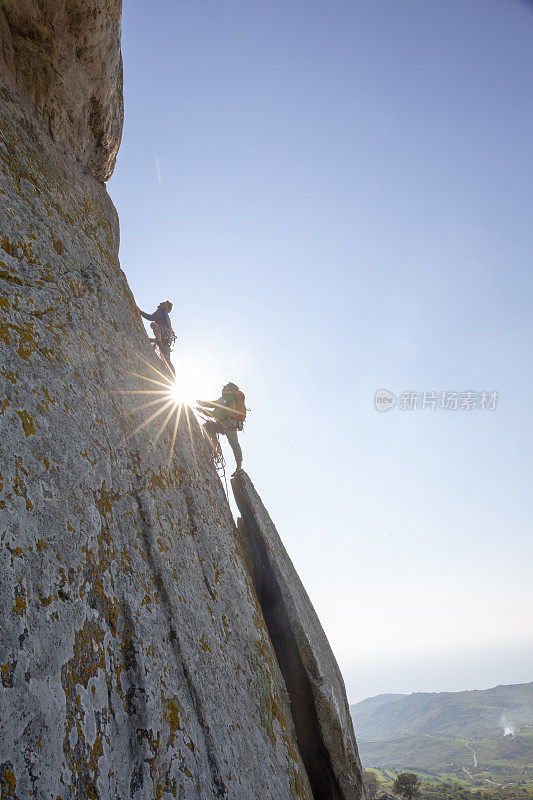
[167, 339]
[233, 424]
[170, 340]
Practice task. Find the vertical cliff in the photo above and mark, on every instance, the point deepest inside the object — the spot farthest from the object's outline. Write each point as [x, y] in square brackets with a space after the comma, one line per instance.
[135, 657]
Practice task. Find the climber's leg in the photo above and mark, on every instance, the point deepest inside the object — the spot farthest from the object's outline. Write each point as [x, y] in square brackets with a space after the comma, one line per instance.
[164, 349]
[210, 430]
[233, 439]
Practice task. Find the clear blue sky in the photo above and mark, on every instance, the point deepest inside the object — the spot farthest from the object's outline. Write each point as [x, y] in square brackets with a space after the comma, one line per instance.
[338, 198]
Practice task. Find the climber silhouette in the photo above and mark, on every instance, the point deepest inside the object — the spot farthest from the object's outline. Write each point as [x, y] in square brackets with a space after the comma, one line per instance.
[162, 329]
[228, 414]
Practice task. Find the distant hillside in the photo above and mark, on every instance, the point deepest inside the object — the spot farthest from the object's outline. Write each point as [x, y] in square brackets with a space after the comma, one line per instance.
[479, 713]
[450, 736]
[371, 703]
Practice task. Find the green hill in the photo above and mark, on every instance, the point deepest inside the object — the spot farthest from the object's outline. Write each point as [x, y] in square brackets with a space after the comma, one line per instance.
[451, 735]
[479, 713]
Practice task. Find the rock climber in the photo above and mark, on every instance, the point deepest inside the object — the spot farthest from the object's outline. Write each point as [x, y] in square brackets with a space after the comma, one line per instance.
[162, 329]
[228, 414]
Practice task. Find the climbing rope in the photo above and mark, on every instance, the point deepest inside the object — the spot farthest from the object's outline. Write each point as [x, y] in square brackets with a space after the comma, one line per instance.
[219, 462]
[217, 456]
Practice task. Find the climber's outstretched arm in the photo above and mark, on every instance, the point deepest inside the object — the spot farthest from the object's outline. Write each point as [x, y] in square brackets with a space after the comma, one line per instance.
[206, 404]
[150, 317]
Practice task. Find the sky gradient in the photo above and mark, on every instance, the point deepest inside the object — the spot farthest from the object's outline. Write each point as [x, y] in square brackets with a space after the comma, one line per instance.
[338, 198]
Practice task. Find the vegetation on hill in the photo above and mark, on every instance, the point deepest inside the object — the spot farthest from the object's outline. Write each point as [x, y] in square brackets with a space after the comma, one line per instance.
[449, 744]
[479, 713]
[384, 782]
[407, 784]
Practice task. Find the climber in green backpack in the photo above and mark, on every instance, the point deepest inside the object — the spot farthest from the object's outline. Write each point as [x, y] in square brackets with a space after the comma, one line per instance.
[227, 415]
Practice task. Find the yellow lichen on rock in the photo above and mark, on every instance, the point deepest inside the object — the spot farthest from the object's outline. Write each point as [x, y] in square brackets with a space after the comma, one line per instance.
[27, 422]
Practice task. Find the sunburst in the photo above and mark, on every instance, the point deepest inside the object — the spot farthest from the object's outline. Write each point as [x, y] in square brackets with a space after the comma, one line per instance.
[169, 399]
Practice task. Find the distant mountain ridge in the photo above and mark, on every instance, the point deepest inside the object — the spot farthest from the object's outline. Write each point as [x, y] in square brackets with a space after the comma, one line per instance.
[450, 736]
[476, 713]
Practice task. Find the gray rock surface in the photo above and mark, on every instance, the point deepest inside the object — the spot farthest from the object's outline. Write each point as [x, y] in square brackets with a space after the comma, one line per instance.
[135, 661]
[318, 698]
[134, 658]
[64, 57]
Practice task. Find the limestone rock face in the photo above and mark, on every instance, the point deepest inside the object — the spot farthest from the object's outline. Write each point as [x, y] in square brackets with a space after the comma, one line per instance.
[319, 706]
[64, 56]
[135, 657]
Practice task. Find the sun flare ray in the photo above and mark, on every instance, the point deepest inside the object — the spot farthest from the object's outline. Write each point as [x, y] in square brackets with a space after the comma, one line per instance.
[152, 417]
[174, 434]
[139, 391]
[165, 377]
[164, 424]
[152, 380]
[171, 399]
[150, 404]
[190, 436]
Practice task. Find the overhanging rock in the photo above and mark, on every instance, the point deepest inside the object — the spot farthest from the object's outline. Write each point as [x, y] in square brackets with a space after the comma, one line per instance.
[64, 58]
[314, 683]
